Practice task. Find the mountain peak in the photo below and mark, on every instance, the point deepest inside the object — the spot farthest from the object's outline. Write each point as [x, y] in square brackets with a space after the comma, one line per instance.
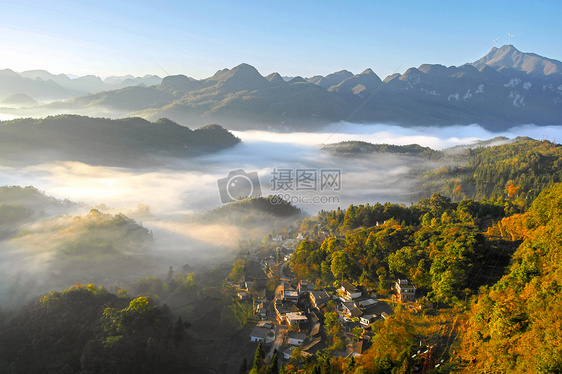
[20, 99]
[359, 84]
[436, 69]
[528, 63]
[179, 83]
[367, 71]
[331, 79]
[411, 70]
[243, 67]
[42, 74]
[297, 79]
[275, 78]
[9, 73]
[243, 77]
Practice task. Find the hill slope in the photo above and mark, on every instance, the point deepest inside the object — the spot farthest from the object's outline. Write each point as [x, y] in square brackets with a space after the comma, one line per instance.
[128, 141]
[515, 325]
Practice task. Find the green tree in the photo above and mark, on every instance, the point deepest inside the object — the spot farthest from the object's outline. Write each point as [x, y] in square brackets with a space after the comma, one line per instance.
[341, 265]
[273, 367]
[351, 365]
[357, 333]
[140, 305]
[259, 357]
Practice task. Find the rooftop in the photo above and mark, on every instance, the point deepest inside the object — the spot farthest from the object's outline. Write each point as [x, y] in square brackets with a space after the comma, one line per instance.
[288, 287]
[315, 329]
[349, 287]
[260, 332]
[296, 317]
[356, 312]
[367, 303]
[349, 305]
[291, 293]
[297, 335]
[403, 283]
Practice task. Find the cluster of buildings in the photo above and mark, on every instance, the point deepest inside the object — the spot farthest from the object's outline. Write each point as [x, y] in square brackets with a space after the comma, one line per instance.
[360, 307]
[301, 309]
[245, 291]
[295, 316]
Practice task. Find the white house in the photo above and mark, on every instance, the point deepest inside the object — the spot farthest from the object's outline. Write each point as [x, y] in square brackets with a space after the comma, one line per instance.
[262, 334]
[367, 319]
[258, 334]
[289, 293]
[350, 291]
[295, 318]
[405, 291]
[296, 338]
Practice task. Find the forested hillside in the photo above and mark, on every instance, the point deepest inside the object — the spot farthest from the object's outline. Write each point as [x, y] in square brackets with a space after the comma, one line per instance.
[456, 254]
[252, 213]
[484, 170]
[359, 149]
[86, 329]
[524, 168]
[438, 244]
[515, 325]
[128, 141]
[41, 254]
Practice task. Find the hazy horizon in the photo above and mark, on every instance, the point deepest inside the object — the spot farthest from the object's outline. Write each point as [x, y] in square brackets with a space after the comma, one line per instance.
[294, 38]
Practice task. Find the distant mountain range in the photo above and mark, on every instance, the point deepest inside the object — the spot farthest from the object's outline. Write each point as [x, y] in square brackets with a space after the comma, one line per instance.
[505, 88]
[41, 85]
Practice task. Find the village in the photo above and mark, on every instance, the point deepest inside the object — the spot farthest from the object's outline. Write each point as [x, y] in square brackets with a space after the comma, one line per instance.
[299, 320]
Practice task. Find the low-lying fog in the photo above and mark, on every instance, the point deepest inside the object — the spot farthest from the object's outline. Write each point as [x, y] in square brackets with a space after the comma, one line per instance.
[184, 187]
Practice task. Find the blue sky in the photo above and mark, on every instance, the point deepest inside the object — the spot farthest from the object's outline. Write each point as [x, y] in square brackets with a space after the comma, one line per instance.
[197, 38]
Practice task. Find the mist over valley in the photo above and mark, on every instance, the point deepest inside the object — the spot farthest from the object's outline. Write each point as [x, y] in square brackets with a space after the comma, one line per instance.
[166, 197]
[294, 213]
